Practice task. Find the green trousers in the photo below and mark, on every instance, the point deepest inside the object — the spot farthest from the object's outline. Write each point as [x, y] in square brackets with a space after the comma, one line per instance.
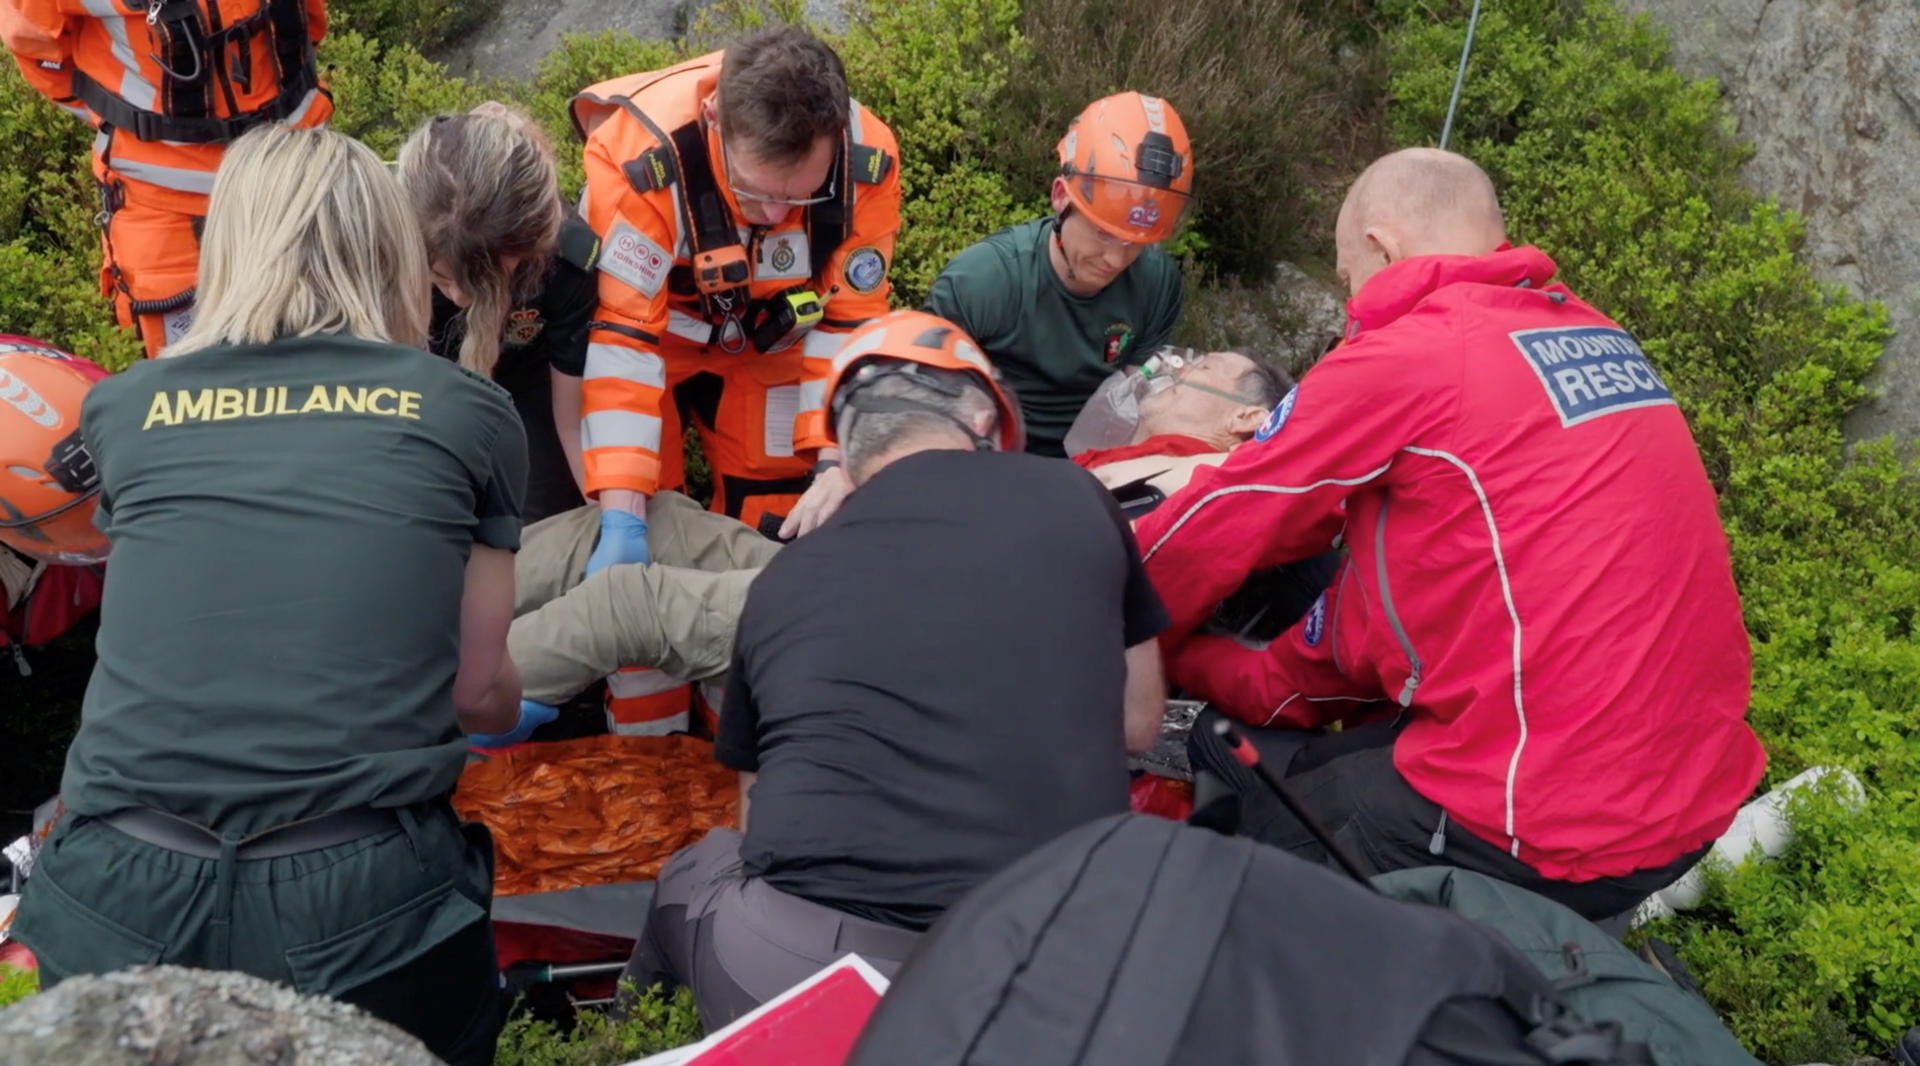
[676, 613]
[395, 923]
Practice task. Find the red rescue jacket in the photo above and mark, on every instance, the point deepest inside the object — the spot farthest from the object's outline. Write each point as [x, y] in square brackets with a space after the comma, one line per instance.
[1536, 569]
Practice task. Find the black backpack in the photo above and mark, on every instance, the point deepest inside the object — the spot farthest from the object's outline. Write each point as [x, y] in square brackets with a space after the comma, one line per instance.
[1136, 941]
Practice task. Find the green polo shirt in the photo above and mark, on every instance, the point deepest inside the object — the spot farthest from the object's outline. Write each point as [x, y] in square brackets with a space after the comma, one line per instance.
[1053, 347]
[291, 524]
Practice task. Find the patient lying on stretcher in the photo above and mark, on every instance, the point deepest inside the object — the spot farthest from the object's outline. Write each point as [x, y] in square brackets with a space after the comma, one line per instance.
[1150, 427]
[1142, 435]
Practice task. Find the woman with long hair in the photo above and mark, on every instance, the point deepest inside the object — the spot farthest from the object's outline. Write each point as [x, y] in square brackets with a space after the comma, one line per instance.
[312, 524]
[514, 285]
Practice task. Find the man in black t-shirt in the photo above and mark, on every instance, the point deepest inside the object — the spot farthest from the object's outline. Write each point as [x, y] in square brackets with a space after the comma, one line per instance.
[947, 674]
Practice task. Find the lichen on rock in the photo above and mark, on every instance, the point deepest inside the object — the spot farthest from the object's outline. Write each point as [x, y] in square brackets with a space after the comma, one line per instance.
[171, 1016]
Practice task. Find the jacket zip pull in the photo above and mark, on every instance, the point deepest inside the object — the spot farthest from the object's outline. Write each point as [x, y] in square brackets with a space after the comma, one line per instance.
[20, 659]
[1438, 845]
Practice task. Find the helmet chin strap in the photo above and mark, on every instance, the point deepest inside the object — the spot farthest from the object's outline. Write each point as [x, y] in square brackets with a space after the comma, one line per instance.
[1059, 227]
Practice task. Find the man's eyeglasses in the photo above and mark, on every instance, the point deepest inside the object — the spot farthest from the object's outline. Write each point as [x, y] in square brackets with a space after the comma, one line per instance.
[749, 196]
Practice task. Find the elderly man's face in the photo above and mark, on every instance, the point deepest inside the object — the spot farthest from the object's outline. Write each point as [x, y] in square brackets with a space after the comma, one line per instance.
[1203, 412]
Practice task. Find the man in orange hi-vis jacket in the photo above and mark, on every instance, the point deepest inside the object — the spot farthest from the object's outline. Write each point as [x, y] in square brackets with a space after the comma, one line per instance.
[168, 84]
[747, 209]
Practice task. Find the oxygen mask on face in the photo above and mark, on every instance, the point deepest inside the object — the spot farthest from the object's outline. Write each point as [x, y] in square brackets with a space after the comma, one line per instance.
[1112, 415]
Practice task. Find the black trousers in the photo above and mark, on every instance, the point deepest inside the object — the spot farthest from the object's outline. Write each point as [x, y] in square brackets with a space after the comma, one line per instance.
[1347, 782]
[435, 996]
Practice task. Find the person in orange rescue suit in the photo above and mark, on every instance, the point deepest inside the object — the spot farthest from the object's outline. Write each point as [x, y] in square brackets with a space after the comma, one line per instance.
[747, 209]
[168, 84]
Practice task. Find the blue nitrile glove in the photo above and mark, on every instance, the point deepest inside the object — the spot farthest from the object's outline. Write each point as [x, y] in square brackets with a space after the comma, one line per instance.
[532, 716]
[623, 539]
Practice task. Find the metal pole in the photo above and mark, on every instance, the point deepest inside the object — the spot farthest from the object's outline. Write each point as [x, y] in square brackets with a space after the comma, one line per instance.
[568, 971]
[1460, 76]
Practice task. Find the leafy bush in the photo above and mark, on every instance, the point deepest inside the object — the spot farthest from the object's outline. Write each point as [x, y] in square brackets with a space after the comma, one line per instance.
[17, 984]
[580, 61]
[424, 24]
[1626, 173]
[49, 246]
[1280, 103]
[655, 1023]
[382, 91]
[936, 71]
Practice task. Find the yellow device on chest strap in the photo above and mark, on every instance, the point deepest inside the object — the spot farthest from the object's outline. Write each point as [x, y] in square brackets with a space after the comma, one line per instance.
[776, 322]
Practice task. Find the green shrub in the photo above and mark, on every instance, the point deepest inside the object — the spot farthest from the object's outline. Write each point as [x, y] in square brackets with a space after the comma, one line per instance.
[423, 24]
[1626, 173]
[1278, 99]
[49, 245]
[936, 71]
[382, 91]
[17, 984]
[654, 1024]
[580, 61]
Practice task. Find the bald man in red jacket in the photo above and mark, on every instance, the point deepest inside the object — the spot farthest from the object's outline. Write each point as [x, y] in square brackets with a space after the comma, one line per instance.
[1538, 594]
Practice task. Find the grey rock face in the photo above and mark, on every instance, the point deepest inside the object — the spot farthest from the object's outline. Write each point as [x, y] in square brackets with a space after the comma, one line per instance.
[1829, 94]
[1319, 312]
[511, 43]
[513, 40]
[169, 1016]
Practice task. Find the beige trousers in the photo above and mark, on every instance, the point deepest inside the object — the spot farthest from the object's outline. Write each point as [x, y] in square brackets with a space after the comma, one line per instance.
[675, 613]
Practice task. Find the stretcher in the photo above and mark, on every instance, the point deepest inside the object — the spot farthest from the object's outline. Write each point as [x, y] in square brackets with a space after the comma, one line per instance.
[581, 828]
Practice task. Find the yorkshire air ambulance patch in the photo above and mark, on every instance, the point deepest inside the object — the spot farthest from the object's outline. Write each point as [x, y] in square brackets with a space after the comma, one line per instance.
[1119, 335]
[634, 258]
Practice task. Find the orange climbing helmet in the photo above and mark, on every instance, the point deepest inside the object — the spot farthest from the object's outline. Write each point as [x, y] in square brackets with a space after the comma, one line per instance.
[1129, 166]
[47, 480]
[908, 343]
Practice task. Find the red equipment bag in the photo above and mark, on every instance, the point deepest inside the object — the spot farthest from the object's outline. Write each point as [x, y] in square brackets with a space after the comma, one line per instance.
[56, 599]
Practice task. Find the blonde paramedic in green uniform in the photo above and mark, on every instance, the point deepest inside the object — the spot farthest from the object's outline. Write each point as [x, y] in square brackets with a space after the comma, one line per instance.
[313, 523]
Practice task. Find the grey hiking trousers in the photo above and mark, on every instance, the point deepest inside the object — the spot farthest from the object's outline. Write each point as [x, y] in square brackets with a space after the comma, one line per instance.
[738, 942]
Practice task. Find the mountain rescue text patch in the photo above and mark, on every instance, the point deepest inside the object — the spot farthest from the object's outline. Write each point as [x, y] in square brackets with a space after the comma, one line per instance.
[1589, 371]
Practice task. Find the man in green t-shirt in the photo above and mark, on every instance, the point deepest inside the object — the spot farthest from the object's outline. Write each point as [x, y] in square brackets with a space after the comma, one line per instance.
[1059, 303]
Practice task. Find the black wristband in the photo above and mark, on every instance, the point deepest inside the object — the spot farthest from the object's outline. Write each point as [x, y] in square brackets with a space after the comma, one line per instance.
[825, 465]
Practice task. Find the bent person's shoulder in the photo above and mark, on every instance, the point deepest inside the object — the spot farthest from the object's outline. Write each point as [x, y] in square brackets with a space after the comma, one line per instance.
[1003, 251]
[453, 399]
[458, 382]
